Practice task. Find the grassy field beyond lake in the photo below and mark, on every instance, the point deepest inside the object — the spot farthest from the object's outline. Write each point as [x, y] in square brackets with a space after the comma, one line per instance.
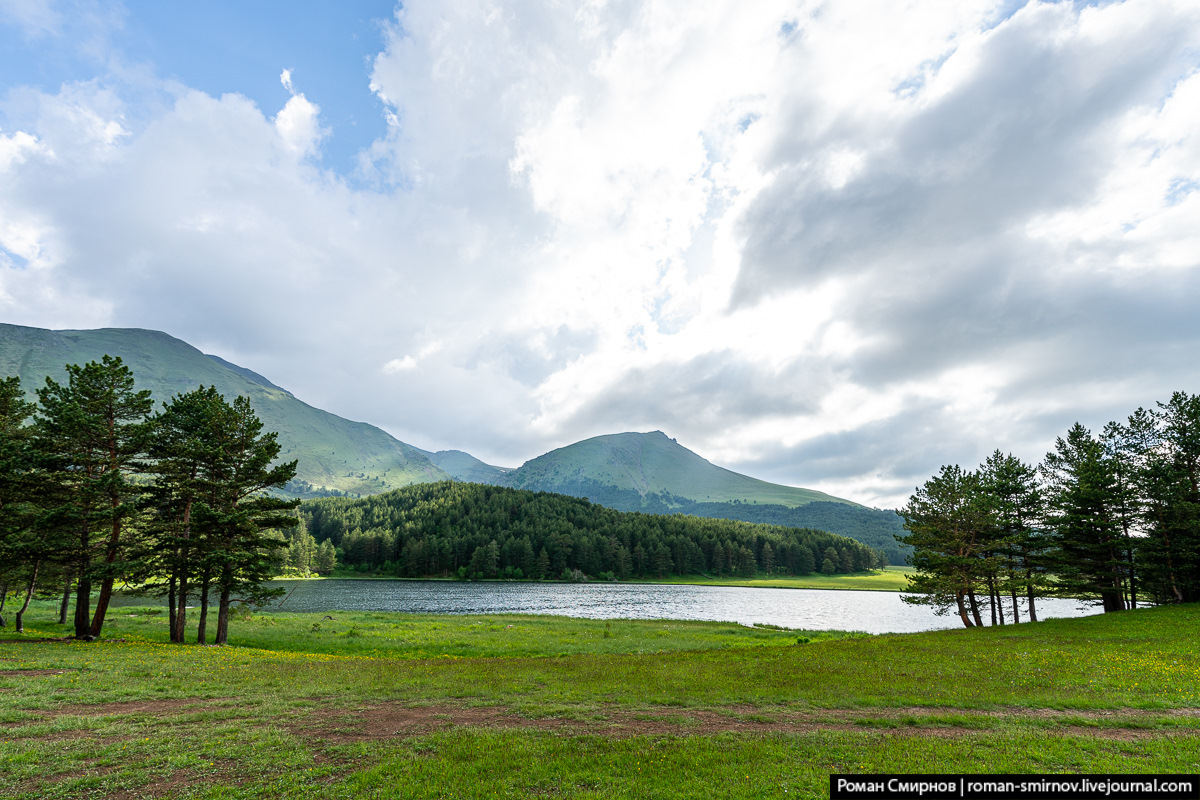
[393, 705]
[882, 579]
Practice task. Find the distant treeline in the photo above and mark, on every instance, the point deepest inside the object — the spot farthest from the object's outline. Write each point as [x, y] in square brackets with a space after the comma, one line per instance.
[478, 531]
[873, 527]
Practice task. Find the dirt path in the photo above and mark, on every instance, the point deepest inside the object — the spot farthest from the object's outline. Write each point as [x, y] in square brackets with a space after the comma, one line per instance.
[334, 724]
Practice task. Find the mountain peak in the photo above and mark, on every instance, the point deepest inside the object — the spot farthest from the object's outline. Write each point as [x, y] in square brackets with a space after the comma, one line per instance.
[650, 463]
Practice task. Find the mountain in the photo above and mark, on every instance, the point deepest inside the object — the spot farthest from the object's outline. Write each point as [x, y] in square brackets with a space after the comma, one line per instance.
[626, 471]
[651, 464]
[467, 468]
[334, 454]
[653, 473]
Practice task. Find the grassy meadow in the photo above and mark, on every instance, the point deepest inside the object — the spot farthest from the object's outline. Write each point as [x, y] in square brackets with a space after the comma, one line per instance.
[885, 579]
[383, 705]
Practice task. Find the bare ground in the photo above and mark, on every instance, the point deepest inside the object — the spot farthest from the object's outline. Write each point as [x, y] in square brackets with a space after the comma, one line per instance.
[325, 724]
[329, 723]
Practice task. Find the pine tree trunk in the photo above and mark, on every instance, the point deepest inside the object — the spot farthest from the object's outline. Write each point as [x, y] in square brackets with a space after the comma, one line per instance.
[3, 597]
[1132, 576]
[962, 612]
[106, 586]
[83, 590]
[223, 608]
[1015, 605]
[171, 608]
[975, 608]
[20, 625]
[179, 625]
[992, 599]
[66, 600]
[106, 589]
[179, 632]
[203, 625]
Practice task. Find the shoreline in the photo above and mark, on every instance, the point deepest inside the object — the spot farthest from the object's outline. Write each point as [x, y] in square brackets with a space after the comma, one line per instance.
[887, 579]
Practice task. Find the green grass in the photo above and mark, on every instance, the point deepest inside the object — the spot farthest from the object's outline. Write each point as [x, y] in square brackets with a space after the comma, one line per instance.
[886, 579]
[392, 705]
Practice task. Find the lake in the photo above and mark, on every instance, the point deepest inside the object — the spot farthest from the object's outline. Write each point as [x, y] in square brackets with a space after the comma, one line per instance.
[811, 609]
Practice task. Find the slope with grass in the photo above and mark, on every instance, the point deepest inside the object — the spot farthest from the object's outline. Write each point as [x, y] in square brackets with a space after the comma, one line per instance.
[653, 473]
[333, 453]
[467, 468]
[650, 464]
[394, 705]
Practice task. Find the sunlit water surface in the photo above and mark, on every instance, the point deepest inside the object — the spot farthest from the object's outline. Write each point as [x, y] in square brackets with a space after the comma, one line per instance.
[811, 609]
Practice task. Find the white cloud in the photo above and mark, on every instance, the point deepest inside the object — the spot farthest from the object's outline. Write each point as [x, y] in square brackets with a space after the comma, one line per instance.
[299, 125]
[15, 149]
[400, 365]
[37, 17]
[835, 244]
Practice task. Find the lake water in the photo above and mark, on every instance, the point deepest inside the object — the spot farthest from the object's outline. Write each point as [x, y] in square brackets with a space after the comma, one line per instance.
[811, 609]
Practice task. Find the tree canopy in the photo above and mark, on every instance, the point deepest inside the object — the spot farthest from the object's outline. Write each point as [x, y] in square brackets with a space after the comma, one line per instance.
[1111, 518]
[98, 490]
[477, 530]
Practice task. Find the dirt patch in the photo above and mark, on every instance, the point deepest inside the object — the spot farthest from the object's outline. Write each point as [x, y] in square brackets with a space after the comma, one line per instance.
[33, 672]
[159, 708]
[60, 640]
[333, 724]
[385, 721]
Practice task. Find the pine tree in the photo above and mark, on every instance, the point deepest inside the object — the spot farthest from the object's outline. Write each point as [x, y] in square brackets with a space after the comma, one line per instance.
[24, 548]
[244, 516]
[1170, 482]
[1082, 500]
[326, 558]
[93, 432]
[188, 457]
[947, 521]
[1016, 506]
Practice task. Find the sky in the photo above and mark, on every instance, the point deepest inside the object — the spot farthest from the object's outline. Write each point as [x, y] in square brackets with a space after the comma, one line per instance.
[828, 244]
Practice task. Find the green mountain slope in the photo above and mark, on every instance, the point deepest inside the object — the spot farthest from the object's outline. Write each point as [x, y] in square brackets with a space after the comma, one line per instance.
[467, 468]
[651, 464]
[652, 473]
[333, 453]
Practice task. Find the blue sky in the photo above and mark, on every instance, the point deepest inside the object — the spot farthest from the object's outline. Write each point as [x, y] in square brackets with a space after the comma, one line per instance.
[831, 244]
[220, 47]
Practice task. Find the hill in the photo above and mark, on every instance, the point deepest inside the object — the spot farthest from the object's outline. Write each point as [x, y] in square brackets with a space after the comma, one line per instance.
[334, 454]
[653, 473]
[647, 472]
[469, 529]
[650, 464]
[466, 467]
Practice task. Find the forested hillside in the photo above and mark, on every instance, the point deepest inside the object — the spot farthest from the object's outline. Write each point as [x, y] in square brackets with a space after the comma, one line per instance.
[334, 454]
[874, 527]
[475, 530]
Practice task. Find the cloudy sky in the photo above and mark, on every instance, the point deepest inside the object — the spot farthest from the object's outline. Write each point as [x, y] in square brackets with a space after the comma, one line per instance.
[829, 244]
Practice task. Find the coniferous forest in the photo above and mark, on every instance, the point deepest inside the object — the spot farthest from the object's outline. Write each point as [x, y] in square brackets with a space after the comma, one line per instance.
[471, 530]
[874, 527]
